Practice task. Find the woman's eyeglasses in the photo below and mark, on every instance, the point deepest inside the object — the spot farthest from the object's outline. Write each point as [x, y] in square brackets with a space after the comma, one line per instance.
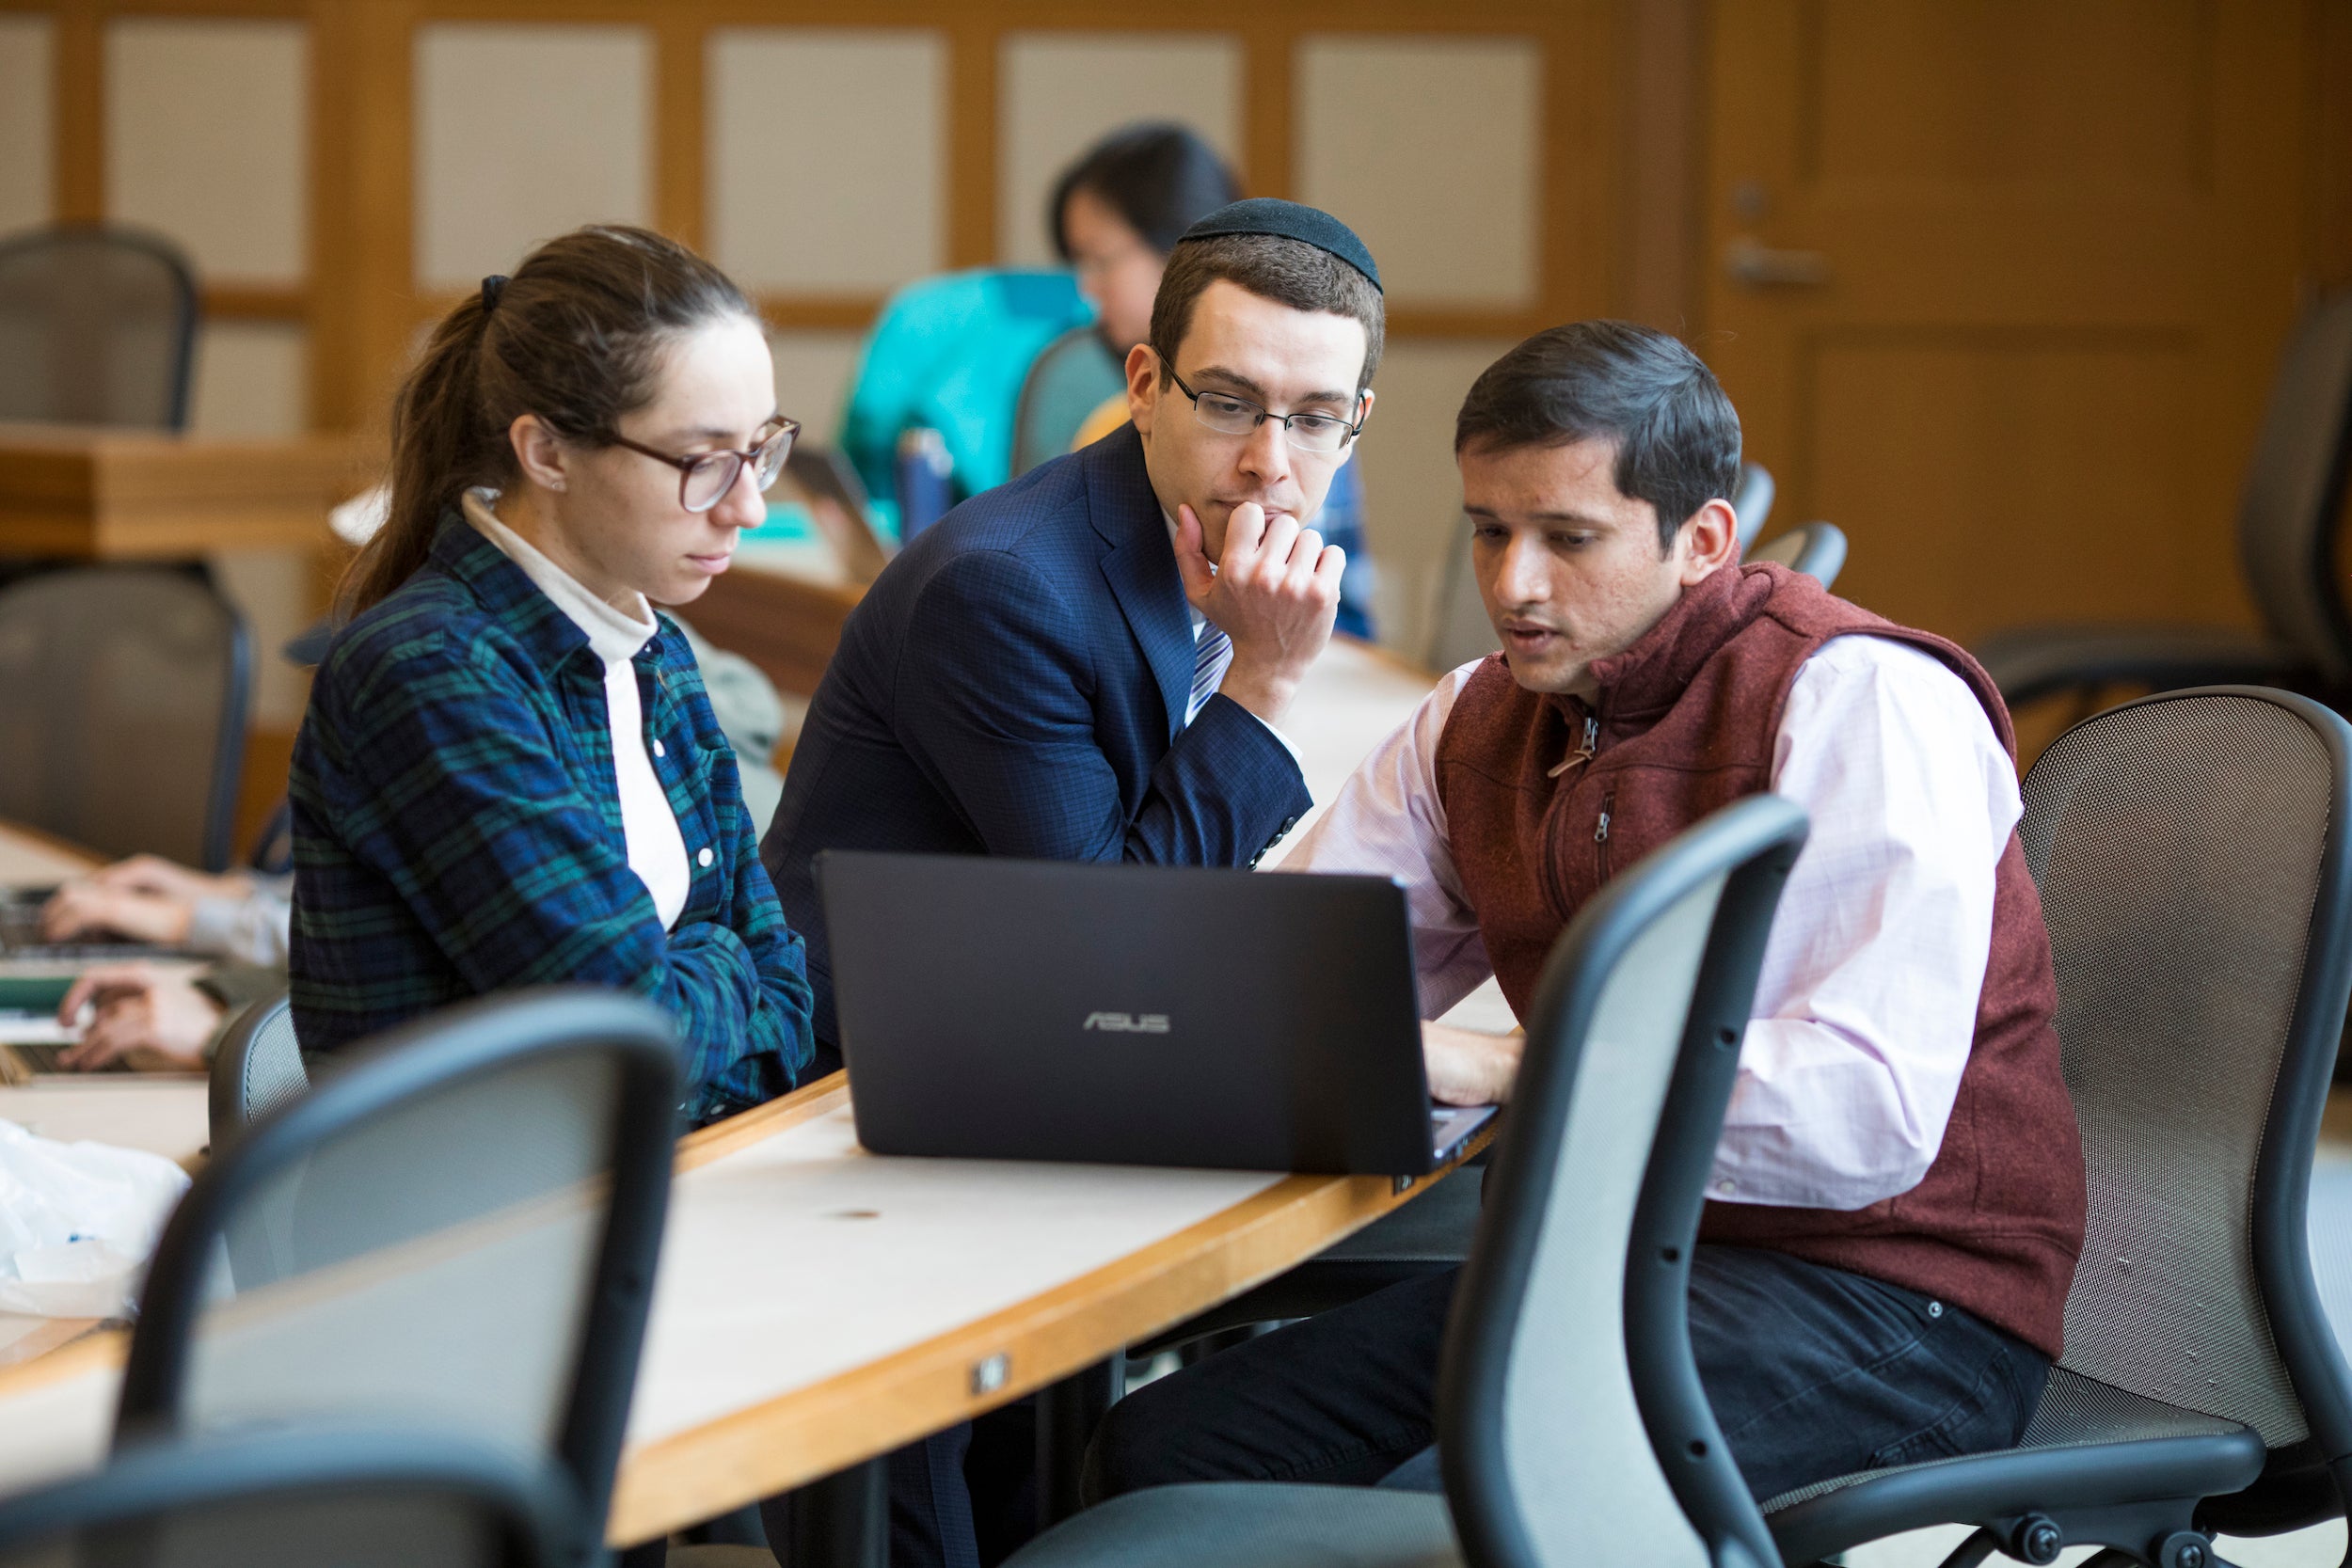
[705, 479]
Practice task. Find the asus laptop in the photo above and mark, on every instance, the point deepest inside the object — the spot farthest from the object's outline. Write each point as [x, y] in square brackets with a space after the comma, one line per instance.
[1131, 1015]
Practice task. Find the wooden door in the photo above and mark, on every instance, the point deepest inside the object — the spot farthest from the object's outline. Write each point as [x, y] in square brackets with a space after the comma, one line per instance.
[1997, 286]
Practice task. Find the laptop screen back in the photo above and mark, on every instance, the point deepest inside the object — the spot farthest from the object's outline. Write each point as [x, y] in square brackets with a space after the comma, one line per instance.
[1128, 1015]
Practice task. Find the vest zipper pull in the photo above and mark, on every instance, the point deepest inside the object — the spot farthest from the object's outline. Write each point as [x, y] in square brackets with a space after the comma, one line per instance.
[1600, 829]
[1584, 751]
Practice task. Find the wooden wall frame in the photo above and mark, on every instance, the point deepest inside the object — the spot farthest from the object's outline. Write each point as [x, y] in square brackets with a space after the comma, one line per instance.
[363, 310]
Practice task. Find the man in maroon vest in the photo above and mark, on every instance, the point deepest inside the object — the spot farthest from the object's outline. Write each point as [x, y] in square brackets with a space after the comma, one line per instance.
[1899, 1190]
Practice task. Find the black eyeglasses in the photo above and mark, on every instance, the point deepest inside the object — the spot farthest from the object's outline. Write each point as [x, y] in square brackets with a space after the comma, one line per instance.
[705, 478]
[1232, 416]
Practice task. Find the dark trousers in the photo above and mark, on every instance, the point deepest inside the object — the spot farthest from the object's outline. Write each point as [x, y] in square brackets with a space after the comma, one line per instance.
[965, 1498]
[1812, 1372]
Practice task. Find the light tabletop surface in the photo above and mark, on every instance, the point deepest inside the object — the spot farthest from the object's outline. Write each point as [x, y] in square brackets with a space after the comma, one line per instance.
[817, 1305]
[163, 1113]
[28, 859]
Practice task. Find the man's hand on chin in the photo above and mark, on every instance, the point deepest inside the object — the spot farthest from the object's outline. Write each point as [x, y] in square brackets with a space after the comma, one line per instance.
[1275, 593]
[1466, 1068]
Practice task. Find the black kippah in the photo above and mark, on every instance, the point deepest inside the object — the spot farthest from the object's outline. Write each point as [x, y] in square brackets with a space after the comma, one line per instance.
[1291, 220]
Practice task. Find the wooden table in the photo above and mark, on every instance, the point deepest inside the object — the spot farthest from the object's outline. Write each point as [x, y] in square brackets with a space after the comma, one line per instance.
[818, 1305]
[92, 494]
[782, 607]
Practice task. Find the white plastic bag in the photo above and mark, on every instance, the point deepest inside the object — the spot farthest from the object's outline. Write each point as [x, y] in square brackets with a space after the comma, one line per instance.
[77, 1222]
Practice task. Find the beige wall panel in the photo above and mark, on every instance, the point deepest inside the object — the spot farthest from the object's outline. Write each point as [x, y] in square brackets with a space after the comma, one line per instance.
[27, 143]
[1060, 92]
[273, 590]
[207, 123]
[525, 132]
[252, 378]
[1412, 496]
[813, 371]
[827, 156]
[1431, 149]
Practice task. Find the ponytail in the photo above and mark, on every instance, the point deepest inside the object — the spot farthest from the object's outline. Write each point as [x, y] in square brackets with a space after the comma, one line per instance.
[574, 336]
[438, 451]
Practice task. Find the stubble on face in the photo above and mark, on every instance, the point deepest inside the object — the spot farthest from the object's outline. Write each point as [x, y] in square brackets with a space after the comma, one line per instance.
[1569, 565]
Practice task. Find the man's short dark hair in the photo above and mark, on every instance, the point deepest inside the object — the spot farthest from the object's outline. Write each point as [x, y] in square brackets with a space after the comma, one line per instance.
[1676, 437]
[1160, 179]
[1288, 272]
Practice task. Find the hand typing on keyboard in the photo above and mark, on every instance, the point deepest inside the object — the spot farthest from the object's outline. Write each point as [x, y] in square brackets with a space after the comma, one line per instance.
[1466, 1068]
[145, 898]
[140, 1012]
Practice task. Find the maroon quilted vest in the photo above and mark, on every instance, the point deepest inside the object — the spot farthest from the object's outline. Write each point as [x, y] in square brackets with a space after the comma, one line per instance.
[1685, 722]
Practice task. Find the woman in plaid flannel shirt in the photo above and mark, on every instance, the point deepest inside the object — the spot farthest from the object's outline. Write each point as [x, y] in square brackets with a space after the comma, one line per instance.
[509, 774]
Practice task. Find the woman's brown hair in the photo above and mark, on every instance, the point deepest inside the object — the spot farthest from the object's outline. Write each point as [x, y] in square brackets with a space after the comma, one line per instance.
[574, 337]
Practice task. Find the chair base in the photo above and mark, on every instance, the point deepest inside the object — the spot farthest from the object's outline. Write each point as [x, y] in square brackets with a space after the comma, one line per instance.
[2139, 1498]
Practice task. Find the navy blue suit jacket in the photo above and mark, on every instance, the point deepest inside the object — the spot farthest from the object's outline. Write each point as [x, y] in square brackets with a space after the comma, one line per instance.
[1014, 684]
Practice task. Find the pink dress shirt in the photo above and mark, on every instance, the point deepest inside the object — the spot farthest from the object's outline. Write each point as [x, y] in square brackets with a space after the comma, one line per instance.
[1866, 1009]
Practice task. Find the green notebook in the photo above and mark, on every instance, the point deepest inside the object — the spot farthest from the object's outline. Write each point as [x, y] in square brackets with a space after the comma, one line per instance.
[34, 993]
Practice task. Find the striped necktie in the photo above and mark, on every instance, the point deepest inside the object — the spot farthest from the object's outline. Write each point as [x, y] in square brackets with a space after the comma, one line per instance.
[1213, 651]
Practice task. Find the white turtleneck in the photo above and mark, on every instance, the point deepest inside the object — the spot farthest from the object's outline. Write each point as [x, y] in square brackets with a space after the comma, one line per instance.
[655, 848]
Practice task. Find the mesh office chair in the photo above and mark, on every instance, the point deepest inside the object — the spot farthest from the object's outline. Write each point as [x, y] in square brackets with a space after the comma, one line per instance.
[1577, 1276]
[355, 1498]
[457, 1231]
[1460, 630]
[1817, 549]
[2191, 851]
[122, 710]
[1074, 376]
[2287, 521]
[257, 1069]
[97, 326]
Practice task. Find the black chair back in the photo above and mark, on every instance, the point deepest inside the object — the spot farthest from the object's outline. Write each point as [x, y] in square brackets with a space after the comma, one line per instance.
[353, 1498]
[456, 1230]
[123, 692]
[1572, 1427]
[2292, 504]
[97, 326]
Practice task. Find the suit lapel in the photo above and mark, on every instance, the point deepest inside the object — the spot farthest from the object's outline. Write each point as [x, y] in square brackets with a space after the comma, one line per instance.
[1140, 567]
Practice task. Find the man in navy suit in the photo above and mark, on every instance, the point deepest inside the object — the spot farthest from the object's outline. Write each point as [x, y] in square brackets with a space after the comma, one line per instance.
[1089, 663]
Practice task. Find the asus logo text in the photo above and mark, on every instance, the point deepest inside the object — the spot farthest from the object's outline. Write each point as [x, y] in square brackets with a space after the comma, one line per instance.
[1128, 1024]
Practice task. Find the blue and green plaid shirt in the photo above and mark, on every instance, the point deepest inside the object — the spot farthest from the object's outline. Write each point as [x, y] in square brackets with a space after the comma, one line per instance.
[457, 831]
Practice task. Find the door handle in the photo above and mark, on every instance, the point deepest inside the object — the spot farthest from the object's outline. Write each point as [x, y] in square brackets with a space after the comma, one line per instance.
[1748, 261]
